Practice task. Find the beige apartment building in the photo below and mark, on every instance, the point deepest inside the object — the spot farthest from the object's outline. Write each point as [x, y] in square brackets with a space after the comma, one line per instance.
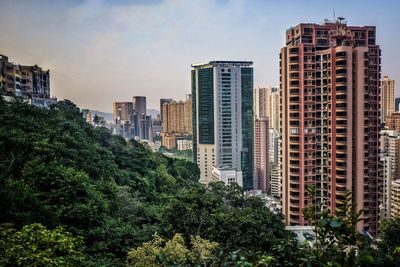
[266, 103]
[387, 97]
[177, 116]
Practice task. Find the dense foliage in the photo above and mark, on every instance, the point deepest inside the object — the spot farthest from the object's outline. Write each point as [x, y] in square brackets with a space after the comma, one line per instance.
[57, 170]
[75, 195]
[34, 245]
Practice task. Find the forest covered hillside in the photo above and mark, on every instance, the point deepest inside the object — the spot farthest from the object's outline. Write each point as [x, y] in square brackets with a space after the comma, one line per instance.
[75, 195]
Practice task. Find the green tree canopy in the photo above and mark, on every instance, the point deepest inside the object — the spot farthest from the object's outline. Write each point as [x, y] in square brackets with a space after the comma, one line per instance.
[35, 245]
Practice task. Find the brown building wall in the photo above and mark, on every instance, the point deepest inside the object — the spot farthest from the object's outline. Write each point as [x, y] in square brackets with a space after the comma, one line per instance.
[177, 117]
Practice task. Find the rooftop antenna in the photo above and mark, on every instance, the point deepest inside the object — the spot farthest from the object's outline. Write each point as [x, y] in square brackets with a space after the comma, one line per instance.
[334, 15]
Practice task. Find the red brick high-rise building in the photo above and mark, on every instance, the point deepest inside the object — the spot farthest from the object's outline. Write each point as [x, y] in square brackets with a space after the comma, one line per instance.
[330, 89]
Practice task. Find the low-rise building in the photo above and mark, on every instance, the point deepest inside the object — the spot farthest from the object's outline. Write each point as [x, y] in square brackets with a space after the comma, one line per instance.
[184, 144]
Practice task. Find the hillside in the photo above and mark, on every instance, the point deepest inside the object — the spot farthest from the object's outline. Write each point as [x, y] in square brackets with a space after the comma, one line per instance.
[75, 195]
[57, 170]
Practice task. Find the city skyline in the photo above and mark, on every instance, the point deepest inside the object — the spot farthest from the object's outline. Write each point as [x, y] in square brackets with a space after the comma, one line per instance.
[99, 52]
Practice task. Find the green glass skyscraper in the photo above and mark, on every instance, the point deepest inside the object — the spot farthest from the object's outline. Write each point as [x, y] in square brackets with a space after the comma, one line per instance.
[222, 93]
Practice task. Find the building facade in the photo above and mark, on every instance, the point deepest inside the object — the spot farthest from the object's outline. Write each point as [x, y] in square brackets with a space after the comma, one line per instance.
[330, 89]
[260, 102]
[389, 156]
[162, 111]
[146, 128]
[395, 199]
[177, 116]
[387, 97]
[31, 83]
[139, 105]
[168, 140]
[266, 103]
[393, 121]
[122, 111]
[261, 155]
[396, 104]
[123, 118]
[184, 144]
[188, 115]
[274, 163]
[222, 104]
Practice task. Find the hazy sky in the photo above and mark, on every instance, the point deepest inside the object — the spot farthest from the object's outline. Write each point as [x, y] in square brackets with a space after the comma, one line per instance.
[100, 51]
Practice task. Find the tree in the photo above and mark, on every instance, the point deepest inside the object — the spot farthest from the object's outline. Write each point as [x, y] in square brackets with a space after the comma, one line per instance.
[173, 252]
[338, 242]
[57, 170]
[389, 246]
[225, 215]
[98, 120]
[34, 245]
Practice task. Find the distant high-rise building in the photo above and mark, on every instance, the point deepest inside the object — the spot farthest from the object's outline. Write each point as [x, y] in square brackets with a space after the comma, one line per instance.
[393, 121]
[389, 155]
[261, 155]
[274, 163]
[177, 121]
[266, 103]
[122, 111]
[157, 125]
[387, 97]
[123, 118]
[396, 104]
[87, 115]
[146, 127]
[330, 89]
[222, 103]
[139, 105]
[136, 122]
[162, 111]
[260, 102]
[177, 117]
[188, 115]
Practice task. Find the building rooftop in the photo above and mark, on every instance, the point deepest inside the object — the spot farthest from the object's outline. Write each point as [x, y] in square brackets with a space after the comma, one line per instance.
[224, 63]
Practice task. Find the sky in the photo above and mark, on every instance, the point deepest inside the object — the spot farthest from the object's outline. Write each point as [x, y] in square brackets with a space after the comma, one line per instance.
[101, 51]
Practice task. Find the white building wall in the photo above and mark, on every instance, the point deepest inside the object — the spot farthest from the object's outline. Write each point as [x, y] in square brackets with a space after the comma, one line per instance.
[205, 160]
[228, 157]
[229, 177]
[388, 144]
[184, 144]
